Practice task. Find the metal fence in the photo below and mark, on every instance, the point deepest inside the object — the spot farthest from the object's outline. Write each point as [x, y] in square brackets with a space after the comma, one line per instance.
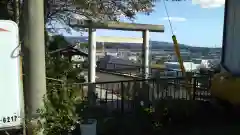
[124, 95]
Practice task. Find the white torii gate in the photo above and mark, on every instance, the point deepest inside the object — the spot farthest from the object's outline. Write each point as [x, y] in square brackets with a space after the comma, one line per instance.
[92, 39]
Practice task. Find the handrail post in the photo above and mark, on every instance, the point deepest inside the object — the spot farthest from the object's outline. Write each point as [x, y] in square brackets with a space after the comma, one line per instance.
[122, 97]
[194, 88]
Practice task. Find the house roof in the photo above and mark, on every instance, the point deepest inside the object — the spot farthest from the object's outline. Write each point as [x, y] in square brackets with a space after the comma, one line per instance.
[70, 50]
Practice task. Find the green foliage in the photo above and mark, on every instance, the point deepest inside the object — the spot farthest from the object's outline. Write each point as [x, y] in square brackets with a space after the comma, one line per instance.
[5, 14]
[59, 111]
[58, 42]
[84, 45]
[62, 95]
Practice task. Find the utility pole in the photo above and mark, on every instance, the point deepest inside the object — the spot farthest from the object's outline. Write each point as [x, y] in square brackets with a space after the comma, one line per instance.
[34, 60]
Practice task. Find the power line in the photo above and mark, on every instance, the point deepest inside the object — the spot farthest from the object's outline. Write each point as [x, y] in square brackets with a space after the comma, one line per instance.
[170, 23]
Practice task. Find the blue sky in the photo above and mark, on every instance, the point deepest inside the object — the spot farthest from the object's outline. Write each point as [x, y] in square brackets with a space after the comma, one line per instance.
[199, 24]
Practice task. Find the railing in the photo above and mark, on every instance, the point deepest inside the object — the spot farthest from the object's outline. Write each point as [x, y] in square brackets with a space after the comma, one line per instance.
[125, 94]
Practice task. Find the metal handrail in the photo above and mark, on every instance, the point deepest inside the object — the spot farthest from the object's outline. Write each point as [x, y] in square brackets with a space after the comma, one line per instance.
[139, 80]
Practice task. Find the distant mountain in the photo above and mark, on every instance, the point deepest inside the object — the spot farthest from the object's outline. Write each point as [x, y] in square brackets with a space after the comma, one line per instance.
[153, 44]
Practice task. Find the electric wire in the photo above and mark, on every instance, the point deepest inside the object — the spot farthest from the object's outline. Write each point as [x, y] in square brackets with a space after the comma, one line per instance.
[169, 20]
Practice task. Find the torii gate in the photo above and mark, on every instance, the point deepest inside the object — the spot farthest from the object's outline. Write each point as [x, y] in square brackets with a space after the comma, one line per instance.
[92, 39]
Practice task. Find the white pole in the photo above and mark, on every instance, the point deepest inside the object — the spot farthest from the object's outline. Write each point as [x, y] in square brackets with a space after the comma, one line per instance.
[92, 65]
[92, 55]
[146, 53]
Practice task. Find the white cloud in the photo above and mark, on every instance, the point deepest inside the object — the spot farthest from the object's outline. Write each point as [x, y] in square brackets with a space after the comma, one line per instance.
[175, 19]
[209, 3]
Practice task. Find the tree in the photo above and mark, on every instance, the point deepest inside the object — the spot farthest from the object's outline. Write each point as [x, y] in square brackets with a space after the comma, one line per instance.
[58, 66]
[97, 10]
[4, 10]
[84, 45]
[58, 10]
[59, 109]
